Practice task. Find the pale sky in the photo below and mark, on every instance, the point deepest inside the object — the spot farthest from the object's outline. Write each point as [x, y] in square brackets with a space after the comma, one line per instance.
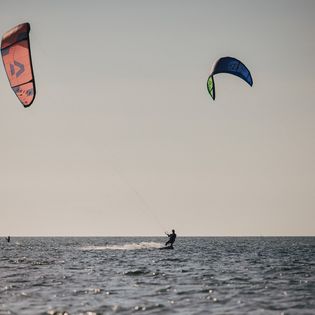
[124, 139]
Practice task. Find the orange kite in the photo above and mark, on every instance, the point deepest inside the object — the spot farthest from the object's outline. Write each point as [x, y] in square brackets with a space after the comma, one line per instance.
[16, 56]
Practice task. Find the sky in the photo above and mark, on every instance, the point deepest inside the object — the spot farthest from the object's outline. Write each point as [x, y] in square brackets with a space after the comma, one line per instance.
[124, 139]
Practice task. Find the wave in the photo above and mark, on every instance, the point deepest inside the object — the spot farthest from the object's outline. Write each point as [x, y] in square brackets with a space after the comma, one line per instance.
[126, 246]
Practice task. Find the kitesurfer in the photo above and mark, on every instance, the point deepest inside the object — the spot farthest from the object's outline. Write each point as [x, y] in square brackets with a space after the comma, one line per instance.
[8, 239]
[172, 238]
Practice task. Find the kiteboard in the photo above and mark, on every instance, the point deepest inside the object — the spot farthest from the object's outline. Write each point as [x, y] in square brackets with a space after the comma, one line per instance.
[167, 247]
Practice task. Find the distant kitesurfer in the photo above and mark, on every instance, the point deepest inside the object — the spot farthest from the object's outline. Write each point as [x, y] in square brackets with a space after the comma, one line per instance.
[8, 239]
[172, 238]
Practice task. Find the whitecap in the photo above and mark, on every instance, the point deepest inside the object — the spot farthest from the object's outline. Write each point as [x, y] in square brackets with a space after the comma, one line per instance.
[126, 246]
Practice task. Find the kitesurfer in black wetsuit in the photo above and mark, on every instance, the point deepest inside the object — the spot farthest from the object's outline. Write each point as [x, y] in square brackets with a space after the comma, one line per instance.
[172, 238]
[8, 239]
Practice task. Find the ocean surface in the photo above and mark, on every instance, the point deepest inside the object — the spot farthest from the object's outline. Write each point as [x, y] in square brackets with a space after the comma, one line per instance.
[127, 275]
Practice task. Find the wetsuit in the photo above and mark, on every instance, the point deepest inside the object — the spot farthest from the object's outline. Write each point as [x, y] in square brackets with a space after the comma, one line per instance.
[171, 240]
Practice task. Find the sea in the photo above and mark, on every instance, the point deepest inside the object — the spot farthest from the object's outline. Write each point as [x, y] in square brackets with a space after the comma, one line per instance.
[131, 275]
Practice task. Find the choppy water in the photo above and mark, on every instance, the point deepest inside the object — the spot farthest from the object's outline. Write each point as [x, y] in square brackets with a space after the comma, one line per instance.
[130, 275]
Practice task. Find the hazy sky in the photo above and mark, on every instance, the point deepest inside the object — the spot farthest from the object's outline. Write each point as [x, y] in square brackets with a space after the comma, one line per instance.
[124, 139]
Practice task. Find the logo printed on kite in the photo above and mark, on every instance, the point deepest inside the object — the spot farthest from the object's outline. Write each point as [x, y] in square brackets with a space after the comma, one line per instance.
[20, 66]
[233, 66]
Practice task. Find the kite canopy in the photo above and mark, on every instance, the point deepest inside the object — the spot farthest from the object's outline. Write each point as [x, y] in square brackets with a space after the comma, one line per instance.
[228, 65]
[16, 56]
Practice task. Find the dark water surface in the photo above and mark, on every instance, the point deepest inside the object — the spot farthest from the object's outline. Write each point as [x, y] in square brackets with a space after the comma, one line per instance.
[130, 275]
